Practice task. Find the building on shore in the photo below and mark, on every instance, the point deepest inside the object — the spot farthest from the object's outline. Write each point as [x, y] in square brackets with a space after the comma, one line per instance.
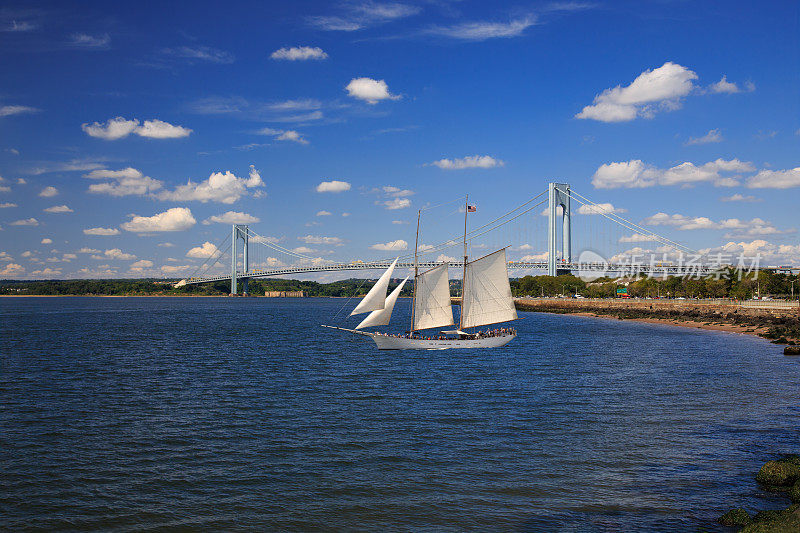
[286, 294]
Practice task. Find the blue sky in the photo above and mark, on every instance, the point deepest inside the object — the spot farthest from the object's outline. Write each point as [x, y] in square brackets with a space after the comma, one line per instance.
[131, 136]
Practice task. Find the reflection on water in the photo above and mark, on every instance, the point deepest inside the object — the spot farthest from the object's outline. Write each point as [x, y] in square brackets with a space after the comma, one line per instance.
[214, 413]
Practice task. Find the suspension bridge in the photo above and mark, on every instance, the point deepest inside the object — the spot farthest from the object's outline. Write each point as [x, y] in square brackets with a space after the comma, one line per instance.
[671, 259]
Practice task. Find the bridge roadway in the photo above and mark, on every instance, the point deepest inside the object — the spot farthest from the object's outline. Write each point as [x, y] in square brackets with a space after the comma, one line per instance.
[600, 268]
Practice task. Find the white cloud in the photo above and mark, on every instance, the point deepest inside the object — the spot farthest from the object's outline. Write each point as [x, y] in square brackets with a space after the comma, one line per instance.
[48, 192]
[370, 90]
[359, 15]
[651, 91]
[175, 219]
[126, 182]
[534, 258]
[25, 222]
[391, 246]
[141, 264]
[200, 53]
[86, 250]
[203, 251]
[4, 256]
[482, 30]
[220, 187]
[292, 135]
[21, 181]
[637, 237]
[333, 186]
[598, 209]
[232, 217]
[473, 161]
[345, 214]
[397, 192]
[755, 226]
[175, 269]
[117, 254]
[119, 127]
[7, 205]
[101, 231]
[83, 40]
[776, 254]
[5, 189]
[47, 241]
[58, 209]
[397, 203]
[775, 179]
[303, 250]
[314, 239]
[635, 173]
[8, 110]
[158, 129]
[725, 86]
[324, 213]
[713, 136]
[299, 53]
[445, 259]
[739, 198]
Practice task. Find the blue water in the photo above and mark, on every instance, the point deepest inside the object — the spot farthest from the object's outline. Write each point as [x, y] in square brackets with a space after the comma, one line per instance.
[243, 414]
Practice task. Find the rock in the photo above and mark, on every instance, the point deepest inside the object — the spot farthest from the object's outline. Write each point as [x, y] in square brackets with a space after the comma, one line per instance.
[735, 517]
[780, 473]
[775, 521]
[791, 350]
[794, 492]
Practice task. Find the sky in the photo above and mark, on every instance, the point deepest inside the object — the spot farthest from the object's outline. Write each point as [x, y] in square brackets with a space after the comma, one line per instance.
[133, 135]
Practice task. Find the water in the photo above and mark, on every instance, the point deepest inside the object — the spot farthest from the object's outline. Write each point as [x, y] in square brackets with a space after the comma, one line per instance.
[223, 414]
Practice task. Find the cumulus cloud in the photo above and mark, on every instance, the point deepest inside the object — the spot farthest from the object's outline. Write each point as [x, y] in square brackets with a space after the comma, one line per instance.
[225, 188]
[7, 205]
[48, 192]
[636, 174]
[232, 217]
[284, 135]
[599, 209]
[483, 30]
[299, 53]
[203, 251]
[651, 91]
[25, 222]
[739, 198]
[324, 213]
[46, 241]
[117, 254]
[101, 231]
[58, 209]
[390, 246]
[125, 182]
[713, 136]
[637, 237]
[370, 90]
[141, 264]
[771, 253]
[303, 250]
[175, 219]
[472, 161]
[83, 40]
[775, 179]
[396, 203]
[119, 127]
[8, 110]
[756, 226]
[315, 239]
[333, 186]
[725, 86]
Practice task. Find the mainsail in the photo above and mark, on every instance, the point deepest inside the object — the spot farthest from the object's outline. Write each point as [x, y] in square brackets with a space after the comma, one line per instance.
[375, 298]
[381, 317]
[432, 303]
[486, 296]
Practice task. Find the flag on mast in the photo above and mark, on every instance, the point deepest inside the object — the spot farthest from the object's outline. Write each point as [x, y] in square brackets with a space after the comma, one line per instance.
[472, 208]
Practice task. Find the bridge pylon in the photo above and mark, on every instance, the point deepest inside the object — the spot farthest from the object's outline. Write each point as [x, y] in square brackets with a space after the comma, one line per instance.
[239, 231]
[558, 195]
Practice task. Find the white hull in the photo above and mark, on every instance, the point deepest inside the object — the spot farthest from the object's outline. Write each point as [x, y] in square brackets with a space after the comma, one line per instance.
[386, 342]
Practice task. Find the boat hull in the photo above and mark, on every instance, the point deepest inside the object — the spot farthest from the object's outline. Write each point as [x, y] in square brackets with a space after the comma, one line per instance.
[386, 342]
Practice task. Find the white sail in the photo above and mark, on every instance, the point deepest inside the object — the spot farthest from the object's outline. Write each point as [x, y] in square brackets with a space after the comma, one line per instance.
[381, 317]
[487, 293]
[376, 297]
[432, 304]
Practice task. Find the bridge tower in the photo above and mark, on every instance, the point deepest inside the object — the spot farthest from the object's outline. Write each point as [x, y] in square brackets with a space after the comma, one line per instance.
[559, 195]
[240, 232]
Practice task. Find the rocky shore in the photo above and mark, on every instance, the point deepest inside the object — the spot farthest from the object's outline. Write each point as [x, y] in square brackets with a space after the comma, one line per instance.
[781, 326]
[782, 475]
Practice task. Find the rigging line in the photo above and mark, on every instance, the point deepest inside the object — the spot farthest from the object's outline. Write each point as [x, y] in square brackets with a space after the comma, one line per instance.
[428, 208]
[635, 227]
[220, 249]
[262, 240]
[336, 314]
[509, 220]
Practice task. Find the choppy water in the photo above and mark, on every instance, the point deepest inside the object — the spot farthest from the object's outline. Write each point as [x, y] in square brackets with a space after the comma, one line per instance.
[243, 414]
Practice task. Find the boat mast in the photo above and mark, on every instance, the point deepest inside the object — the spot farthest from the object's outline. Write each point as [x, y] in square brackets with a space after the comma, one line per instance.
[464, 274]
[416, 273]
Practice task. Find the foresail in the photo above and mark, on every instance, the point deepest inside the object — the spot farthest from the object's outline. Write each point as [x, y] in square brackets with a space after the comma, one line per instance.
[432, 304]
[381, 317]
[376, 297]
[487, 293]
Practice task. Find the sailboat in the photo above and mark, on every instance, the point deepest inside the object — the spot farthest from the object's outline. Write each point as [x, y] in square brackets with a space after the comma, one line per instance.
[485, 299]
